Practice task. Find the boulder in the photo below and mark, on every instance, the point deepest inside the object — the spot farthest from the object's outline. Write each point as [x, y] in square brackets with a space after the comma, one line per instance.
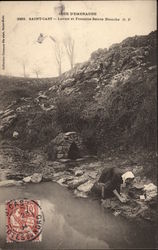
[27, 179]
[68, 82]
[80, 194]
[63, 176]
[93, 174]
[77, 181]
[59, 174]
[8, 119]
[62, 182]
[7, 112]
[79, 172]
[86, 187]
[36, 178]
[8, 183]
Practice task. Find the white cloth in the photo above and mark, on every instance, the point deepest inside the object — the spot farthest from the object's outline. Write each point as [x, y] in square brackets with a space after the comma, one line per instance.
[150, 187]
[127, 175]
[150, 190]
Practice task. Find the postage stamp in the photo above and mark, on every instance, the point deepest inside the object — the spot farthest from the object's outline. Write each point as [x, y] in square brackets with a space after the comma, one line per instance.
[24, 220]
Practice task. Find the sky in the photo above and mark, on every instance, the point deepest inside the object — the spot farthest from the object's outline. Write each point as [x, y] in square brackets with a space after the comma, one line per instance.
[21, 46]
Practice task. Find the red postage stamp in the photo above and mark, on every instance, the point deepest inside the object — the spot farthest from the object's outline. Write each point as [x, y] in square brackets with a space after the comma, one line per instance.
[24, 220]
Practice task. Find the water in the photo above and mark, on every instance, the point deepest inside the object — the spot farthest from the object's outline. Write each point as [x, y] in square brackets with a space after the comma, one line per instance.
[74, 223]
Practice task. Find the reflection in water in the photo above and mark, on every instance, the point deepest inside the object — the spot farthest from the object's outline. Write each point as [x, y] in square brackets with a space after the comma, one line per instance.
[72, 222]
[66, 235]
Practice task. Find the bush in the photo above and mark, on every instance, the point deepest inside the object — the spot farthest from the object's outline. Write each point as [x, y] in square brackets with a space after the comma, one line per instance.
[68, 111]
[42, 130]
[50, 149]
[125, 115]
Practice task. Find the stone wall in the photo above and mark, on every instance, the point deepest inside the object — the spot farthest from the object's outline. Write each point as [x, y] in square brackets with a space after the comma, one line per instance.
[65, 141]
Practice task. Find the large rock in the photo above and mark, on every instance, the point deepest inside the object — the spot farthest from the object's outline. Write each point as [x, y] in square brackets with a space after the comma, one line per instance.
[27, 179]
[79, 172]
[80, 194]
[68, 82]
[77, 181]
[8, 183]
[62, 182]
[7, 121]
[93, 174]
[36, 178]
[7, 112]
[86, 187]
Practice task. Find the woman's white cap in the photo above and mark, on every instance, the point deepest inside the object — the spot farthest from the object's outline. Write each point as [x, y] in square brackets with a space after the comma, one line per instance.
[127, 175]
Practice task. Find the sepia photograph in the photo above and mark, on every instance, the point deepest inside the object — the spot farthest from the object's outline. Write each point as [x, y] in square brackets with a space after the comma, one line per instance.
[78, 125]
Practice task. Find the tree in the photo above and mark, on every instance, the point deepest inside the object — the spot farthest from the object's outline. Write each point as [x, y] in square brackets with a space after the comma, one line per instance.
[37, 71]
[69, 47]
[58, 53]
[58, 56]
[24, 67]
[23, 62]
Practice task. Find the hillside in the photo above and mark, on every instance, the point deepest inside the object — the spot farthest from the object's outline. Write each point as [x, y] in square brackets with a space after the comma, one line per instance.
[110, 100]
[14, 88]
[107, 106]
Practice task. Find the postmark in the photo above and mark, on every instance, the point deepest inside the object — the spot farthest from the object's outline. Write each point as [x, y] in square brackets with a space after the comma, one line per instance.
[24, 220]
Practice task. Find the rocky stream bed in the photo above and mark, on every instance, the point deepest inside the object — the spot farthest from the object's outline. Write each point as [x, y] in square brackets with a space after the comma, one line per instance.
[78, 176]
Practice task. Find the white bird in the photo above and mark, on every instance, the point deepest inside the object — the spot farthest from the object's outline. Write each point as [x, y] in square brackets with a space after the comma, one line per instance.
[41, 38]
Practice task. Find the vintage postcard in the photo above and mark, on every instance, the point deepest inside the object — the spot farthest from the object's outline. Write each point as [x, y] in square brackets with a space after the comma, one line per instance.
[78, 105]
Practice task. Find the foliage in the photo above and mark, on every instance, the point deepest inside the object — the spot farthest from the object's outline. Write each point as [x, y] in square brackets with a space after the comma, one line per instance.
[68, 111]
[124, 115]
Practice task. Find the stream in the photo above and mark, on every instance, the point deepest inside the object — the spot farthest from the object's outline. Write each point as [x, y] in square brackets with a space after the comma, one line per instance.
[74, 223]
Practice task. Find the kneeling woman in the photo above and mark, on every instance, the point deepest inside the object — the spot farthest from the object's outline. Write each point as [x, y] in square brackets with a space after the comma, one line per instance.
[110, 182]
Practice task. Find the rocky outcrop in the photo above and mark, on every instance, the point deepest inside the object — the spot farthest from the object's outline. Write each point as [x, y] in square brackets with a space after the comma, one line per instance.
[107, 98]
[7, 118]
